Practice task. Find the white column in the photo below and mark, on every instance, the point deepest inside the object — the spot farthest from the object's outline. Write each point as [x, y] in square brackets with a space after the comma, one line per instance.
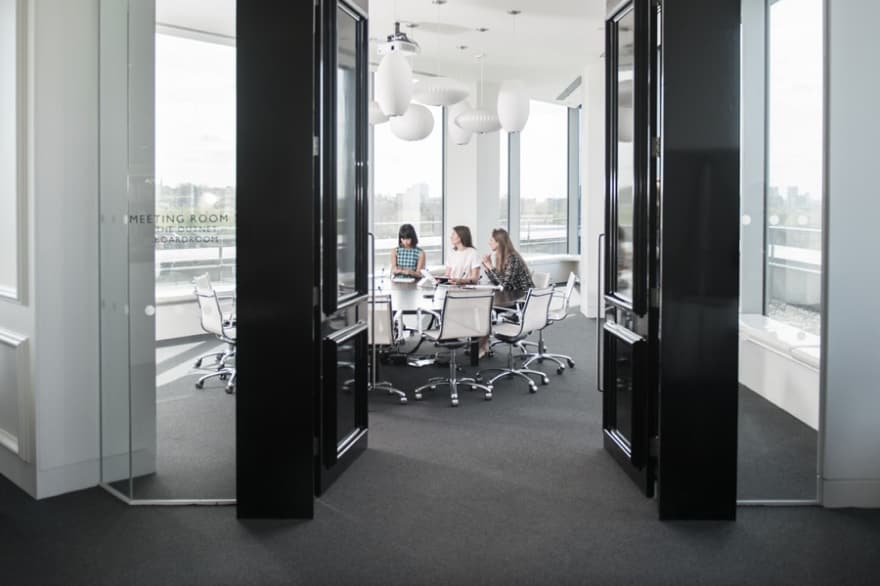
[592, 182]
[851, 376]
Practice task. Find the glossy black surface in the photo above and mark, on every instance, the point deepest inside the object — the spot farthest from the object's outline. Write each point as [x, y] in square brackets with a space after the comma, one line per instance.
[275, 228]
[700, 259]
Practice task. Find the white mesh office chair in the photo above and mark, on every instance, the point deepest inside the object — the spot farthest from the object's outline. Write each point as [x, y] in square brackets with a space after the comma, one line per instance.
[382, 334]
[466, 316]
[534, 317]
[514, 315]
[558, 312]
[213, 322]
[203, 283]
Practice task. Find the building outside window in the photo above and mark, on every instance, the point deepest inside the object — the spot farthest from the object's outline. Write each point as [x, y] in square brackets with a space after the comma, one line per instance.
[195, 162]
[794, 163]
[408, 189]
[544, 180]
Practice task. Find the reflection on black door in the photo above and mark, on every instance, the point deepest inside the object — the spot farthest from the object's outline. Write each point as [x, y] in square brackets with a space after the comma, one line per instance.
[342, 117]
[629, 328]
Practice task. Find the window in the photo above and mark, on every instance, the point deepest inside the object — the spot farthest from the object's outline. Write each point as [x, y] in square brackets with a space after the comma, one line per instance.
[195, 161]
[543, 208]
[794, 163]
[408, 189]
[503, 179]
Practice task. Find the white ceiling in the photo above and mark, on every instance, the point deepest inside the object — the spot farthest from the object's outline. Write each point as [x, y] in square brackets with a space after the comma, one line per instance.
[547, 45]
[552, 42]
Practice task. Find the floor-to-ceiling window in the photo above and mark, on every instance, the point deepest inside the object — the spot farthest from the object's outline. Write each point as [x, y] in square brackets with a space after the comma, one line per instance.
[408, 189]
[794, 163]
[543, 164]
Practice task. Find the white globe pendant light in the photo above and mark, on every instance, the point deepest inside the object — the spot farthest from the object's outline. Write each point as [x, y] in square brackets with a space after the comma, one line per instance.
[478, 120]
[457, 134]
[513, 106]
[439, 91]
[416, 123]
[394, 84]
[377, 116]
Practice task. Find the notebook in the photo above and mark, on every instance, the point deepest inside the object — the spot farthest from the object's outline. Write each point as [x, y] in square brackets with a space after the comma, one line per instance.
[403, 279]
[434, 279]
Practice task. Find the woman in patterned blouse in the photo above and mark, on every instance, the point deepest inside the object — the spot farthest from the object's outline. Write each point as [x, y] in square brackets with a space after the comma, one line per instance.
[510, 270]
[407, 259]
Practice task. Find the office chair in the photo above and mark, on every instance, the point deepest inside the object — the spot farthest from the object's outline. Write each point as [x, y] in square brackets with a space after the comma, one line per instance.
[558, 311]
[213, 322]
[534, 317]
[203, 283]
[465, 316]
[384, 335]
[514, 315]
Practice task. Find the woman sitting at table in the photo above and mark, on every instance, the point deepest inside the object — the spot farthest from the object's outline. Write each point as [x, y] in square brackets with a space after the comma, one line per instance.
[510, 270]
[463, 263]
[407, 259]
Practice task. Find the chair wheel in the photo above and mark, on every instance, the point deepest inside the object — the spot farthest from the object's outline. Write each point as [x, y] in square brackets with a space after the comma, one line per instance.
[570, 363]
[198, 363]
[200, 385]
[433, 387]
[403, 400]
[478, 378]
[418, 396]
[488, 396]
[533, 388]
[545, 381]
[559, 370]
[454, 402]
[230, 389]
[223, 376]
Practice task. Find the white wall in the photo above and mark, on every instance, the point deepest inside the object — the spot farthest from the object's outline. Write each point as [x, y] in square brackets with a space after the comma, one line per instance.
[60, 318]
[851, 377]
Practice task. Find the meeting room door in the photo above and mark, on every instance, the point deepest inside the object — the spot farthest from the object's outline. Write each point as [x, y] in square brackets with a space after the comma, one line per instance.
[629, 328]
[341, 164]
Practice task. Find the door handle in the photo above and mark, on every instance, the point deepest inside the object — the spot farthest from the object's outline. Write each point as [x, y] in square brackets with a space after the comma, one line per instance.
[600, 315]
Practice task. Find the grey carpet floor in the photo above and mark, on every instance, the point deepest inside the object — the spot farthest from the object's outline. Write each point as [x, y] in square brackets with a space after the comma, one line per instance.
[513, 491]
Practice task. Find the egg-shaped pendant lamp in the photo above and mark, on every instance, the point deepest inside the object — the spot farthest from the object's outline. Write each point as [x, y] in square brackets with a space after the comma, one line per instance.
[478, 120]
[439, 91]
[377, 116]
[415, 124]
[393, 89]
[457, 134]
[513, 106]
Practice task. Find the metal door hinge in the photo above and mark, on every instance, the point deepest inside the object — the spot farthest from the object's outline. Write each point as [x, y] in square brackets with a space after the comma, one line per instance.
[655, 146]
[654, 447]
[655, 297]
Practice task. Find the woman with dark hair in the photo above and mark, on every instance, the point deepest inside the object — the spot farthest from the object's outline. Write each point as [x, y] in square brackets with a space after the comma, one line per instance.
[407, 259]
[463, 263]
[510, 270]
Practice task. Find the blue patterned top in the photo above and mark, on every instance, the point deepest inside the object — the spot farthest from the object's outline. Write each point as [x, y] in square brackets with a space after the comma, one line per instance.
[408, 258]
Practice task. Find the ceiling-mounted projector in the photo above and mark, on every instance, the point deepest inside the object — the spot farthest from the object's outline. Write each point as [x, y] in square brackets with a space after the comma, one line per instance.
[399, 43]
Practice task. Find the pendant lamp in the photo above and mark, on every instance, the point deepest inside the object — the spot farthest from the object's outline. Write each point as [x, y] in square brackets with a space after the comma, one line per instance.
[377, 116]
[479, 119]
[457, 134]
[394, 88]
[513, 106]
[416, 123]
[440, 91]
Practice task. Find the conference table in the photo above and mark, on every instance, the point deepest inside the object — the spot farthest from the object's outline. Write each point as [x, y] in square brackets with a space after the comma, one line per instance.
[414, 298]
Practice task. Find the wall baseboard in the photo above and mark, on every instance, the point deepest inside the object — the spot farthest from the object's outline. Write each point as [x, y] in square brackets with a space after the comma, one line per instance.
[864, 494]
[67, 478]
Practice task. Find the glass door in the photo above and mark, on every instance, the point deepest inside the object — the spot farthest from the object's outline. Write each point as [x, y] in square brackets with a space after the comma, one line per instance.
[629, 333]
[342, 87]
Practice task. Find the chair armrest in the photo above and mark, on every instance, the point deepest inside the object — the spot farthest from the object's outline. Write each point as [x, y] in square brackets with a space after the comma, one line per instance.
[420, 311]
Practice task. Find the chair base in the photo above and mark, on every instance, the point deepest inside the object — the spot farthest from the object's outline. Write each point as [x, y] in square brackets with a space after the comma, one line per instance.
[225, 374]
[435, 382]
[387, 386]
[541, 355]
[521, 372]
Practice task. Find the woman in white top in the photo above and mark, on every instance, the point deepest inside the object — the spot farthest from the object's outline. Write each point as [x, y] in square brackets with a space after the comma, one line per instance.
[463, 263]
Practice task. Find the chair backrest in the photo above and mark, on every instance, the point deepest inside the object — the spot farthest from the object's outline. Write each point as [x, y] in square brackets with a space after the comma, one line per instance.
[209, 308]
[534, 316]
[383, 334]
[566, 296]
[466, 315]
[541, 280]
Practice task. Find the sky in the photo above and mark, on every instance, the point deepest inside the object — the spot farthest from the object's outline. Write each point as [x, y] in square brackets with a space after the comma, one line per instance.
[795, 96]
[195, 112]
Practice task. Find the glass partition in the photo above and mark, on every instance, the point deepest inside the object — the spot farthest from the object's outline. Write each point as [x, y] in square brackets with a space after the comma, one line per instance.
[167, 206]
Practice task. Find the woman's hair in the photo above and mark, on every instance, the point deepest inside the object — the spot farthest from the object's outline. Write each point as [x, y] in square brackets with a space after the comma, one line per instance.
[407, 231]
[464, 233]
[505, 249]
